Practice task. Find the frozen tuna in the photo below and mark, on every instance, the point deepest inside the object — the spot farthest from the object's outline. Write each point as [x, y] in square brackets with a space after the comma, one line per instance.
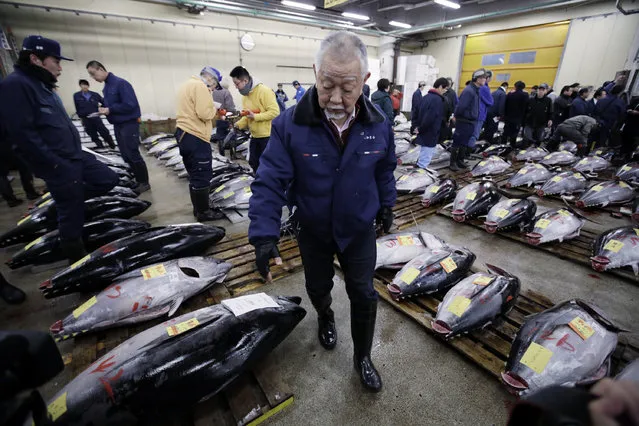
[616, 248]
[234, 194]
[441, 155]
[563, 184]
[530, 174]
[439, 192]
[410, 157]
[605, 193]
[592, 164]
[534, 153]
[394, 250]
[491, 166]
[476, 301]
[629, 173]
[510, 214]
[556, 225]
[569, 146]
[499, 150]
[415, 180]
[474, 200]
[559, 158]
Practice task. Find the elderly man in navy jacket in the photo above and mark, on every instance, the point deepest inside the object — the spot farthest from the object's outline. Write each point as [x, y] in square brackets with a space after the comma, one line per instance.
[86, 106]
[43, 135]
[430, 117]
[122, 109]
[333, 157]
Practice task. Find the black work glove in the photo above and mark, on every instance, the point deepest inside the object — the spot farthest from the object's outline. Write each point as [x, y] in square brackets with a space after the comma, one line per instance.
[265, 250]
[385, 218]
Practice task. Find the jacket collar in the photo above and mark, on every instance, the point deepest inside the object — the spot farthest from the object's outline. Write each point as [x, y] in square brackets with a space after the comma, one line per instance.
[39, 73]
[308, 112]
[435, 92]
[110, 78]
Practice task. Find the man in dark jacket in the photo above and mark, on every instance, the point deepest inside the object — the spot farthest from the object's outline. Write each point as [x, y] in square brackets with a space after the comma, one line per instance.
[429, 121]
[515, 112]
[332, 156]
[599, 94]
[122, 109]
[574, 91]
[42, 133]
[452, 100]
[86, 106]
[382, 99]
[576, 129]
[538, 116]
[466, 117]
[561, 107]
[416, 101]
[495, 112]
[580, 106]
[609, 113]
[485, 102]
[281, 96]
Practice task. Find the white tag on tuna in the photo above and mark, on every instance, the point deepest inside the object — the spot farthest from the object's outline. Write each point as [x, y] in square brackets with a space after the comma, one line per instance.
[244, 304]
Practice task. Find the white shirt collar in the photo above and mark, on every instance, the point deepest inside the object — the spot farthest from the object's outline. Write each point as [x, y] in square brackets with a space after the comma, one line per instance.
[344, 126]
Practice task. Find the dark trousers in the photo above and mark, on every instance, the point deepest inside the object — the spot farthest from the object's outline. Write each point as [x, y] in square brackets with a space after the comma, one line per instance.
[128, 137]
[534, 134]
[196, 155]
[7, 157]
[93, 126]
[256, 148]
[75, 181]
[511, 131]
[569, 134]
[463, 132]
[490, 127]
[357, 262]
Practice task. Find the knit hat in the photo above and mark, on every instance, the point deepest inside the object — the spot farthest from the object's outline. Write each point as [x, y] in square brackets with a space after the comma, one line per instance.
[212, 71]
[479, 74]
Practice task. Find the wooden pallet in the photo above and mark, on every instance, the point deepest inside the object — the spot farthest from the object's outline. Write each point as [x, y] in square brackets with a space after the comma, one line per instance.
[255, 396]
[578, 250]
[488, 348]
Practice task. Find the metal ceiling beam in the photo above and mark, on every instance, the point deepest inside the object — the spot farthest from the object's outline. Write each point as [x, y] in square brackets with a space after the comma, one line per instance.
[624, 11]
[406, 6]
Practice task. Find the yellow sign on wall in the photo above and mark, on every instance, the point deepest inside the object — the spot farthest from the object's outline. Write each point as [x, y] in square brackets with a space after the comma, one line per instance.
[331, 3]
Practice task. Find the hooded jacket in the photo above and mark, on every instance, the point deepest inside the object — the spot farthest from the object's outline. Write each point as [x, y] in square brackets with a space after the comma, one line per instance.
[383, 100]
[263, 99]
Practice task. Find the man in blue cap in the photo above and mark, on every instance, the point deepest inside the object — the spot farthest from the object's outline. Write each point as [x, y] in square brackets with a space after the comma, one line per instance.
[41, 132]
[122, 109]
[299, 91]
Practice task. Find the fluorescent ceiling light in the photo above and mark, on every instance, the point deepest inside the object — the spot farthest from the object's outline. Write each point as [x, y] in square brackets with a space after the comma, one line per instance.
[399, 24]
[355, 16]
[298, 5]
[448, 3]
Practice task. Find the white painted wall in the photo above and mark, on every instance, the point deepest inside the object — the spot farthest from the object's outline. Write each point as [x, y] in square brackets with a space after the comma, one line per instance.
[447, 53]
[157, 57]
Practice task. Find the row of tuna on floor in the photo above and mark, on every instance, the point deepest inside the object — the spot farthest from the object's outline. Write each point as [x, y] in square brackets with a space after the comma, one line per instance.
[569, 343]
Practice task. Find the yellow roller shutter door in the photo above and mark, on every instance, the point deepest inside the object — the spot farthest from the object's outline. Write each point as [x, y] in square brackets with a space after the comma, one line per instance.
[530, 54]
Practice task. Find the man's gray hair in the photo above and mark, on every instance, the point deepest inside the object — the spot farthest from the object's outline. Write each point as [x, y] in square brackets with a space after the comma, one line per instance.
[342, 44]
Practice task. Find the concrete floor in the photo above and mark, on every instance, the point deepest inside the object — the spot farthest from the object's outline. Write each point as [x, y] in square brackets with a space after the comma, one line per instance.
[425, 382]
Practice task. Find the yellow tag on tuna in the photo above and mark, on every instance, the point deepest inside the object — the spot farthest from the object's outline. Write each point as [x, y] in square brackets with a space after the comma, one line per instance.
[625, 168]
[153, 271]
[542, 223]
[180, 328]
[471, 195]
[58, 407]
[564, 213]
[434, 189]
[582, 328]
[483, 280]
[46, 203]
[80, 262]
[32, 243]
[459, 305]
[502, 213]
[228, 195]
[219, 188]
[409, 275]
[536, 357]
[405, 240]
[596, 188]
[624, 184]
[482, 163]
[402, 178]
[247, 190]
[84, 307]
[556, 179]
[613, 246]
[448, 264]
[523, 171]
[21, 221]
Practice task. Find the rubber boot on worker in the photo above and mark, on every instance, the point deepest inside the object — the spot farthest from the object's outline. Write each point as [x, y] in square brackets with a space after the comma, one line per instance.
[9, 293]
[326, 332]
[363, 317]
[142, 176]
[192, 194]
[109, 140]
[454, 152]
[203, 211]
[30, 191]
[7, 193]
[463, 150]
[73, 249]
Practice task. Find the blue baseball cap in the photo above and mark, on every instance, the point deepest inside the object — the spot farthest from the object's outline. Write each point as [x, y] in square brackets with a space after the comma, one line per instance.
[45, 46]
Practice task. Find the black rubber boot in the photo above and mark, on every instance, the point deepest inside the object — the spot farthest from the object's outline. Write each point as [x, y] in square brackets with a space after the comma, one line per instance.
[463, 150]
[7, 192]
[109, 140]
[191, 193]
[363, 316]
[9, 293]
[454, 152]
[73, 249]
[142, 176]
[326, 332]
[203, 211]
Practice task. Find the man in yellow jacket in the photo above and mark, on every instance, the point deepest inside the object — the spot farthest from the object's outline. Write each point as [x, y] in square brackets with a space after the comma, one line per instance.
[260, 108]
[195, 114]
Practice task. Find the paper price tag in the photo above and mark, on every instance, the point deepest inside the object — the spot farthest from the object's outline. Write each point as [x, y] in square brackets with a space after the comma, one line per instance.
[471, 195]
[84, 307]
[582, 328]
[482, 163]
[483, 280]
[80, 262]
[624, 184]
[459, 305]
[579, 176]
[542, 223]
[180, 328]
[448, 264]
[556, 179]
[596, 188]
[564, 213]
[219, 188]
[420, 171]
[153, 271]
[244, 178]
[247, 190]
[402, 179]
[523, 171]
[434, 189]
[58, 407]
[548, 157]
[32, 243]
[46, 203]
[21, 221]
[613, 246]
[244, 304]
[523, 151]
[636, 231]
[502, 213]
[409, 275]
[584, 161]
[625, 168]
[536, 357]
[405, 240]
[228, 195]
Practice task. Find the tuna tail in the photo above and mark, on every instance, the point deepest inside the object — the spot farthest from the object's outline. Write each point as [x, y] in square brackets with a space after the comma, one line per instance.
[498, 271]
[175, 305]
[577, 212]
[514, 197]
